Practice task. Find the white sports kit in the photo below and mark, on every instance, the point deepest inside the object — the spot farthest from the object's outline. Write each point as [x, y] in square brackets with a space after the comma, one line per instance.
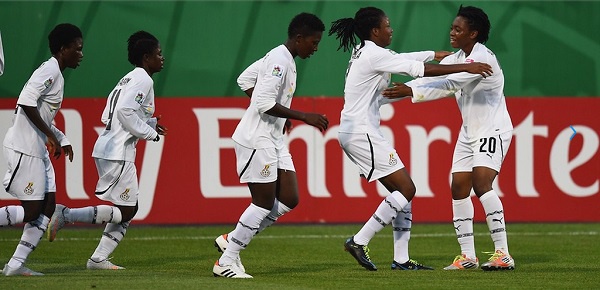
[128, 118]
[368, 74]
[30, 173]
[486, 131]
[260, 146]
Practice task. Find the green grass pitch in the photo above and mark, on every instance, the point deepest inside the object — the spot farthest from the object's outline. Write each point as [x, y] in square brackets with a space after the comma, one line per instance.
[547, 256]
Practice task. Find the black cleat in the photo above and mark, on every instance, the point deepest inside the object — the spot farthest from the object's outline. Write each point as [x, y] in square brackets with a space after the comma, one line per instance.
[360, 253]
[410, 265]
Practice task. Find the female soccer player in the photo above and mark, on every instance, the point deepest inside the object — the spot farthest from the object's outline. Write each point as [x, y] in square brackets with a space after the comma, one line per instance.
[263, 159]
[128, 118]
[30, 176]
[484, 137]
[368, 73]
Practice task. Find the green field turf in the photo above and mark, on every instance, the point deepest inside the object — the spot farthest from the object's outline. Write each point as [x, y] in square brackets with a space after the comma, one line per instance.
[547, 256]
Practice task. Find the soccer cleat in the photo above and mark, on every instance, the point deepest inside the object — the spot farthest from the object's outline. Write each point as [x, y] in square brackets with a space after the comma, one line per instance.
[57, 221]
[229, 271]
[461, 262]
[221, 245]
[21, 271]
[102, 265]
[410, 265]
[360, 253]
[499, 261]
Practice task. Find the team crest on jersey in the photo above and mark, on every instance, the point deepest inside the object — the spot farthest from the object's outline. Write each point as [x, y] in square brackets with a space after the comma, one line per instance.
[139, 98]
[393, 161]
[28, 189]
[124, 81]
[277, 71]
[48, 82]
[265, 172]
[125, 195]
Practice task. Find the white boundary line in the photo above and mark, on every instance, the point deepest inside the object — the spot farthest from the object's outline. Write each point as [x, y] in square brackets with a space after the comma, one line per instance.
[435, 235]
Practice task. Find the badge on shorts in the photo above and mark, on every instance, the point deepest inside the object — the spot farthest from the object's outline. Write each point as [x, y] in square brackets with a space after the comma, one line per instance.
[393, 161]
[28, 189]
[125, 195]
[265, 172]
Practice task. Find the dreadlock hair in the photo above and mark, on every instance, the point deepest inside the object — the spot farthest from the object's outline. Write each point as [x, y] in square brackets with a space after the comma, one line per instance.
[139, 44]
[477, 20]
[305, 24]
[62, 35]
[346, 29]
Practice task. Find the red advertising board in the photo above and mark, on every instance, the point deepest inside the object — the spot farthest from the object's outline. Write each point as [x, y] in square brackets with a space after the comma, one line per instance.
[189, 177]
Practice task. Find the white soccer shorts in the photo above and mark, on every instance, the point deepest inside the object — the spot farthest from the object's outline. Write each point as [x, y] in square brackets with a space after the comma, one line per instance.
[118, 182]
[261, 165]
[28, 177]
[375, 156]
[481, 152]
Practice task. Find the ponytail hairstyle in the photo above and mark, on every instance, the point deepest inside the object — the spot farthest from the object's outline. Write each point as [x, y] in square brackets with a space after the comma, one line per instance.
[347, 29]
[477, 20]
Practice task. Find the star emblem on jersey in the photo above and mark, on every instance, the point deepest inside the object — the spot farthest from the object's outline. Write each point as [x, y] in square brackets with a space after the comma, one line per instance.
[28, 189]
[393, 161]
[125, 194]
[265, 172]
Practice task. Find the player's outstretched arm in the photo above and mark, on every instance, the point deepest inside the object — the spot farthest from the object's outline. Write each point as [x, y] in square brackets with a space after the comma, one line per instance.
[316, 120]
[480, 68]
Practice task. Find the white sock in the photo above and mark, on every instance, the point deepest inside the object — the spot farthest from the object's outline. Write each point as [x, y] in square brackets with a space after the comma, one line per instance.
[278, 210]
[95, 214]
[111, 237]
[402, 225]
[463, 213]
[32, 234]
[386, 211]
[11, 215]
[494, 215]
[241, 236]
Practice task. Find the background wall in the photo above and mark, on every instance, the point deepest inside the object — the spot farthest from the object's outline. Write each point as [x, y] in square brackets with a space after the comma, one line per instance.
[546, 48]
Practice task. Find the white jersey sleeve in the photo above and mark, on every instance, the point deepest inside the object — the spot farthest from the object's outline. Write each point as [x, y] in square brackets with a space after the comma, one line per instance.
[1, 56]
[130, 102]
[423, 56]
[269, 85]
[385, 60]
[60, 136]
[248, 77]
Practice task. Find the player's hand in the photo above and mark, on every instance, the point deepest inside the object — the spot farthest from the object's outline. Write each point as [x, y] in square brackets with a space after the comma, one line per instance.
[317, 120]
[480, 68]
[287, 127]
[160, 129]
[399, 90]
[54, 146]
[439, 55]
[68, 152]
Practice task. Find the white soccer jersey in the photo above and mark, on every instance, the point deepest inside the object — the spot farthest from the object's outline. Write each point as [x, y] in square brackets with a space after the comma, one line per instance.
[1, 56]
[128, 117]
[368, 74]
[481, 100]
[43, 90]
[249, 76]
[276, 83]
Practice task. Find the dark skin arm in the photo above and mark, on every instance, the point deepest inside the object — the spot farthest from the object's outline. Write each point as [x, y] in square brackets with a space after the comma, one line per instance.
[288, 124]
[439, 55]
[483, 69]
[53, 144]
[316, 120]
[399, 90]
